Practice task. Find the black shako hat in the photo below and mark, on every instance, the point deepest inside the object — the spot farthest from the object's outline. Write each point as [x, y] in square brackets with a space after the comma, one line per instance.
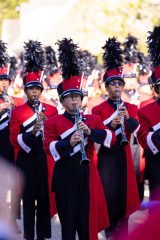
[34, 59]
[112, 61]
[153, 41]
[70, 65]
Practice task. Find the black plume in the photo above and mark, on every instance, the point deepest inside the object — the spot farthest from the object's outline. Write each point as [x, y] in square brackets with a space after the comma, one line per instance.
[21, 64]
[130, 49]
[68, 57]
[153, 41]
[34, 56]
[89, 62]
[143, 63]
[112, 56]
[4, 58]
[13, 67]
[51, 61]
[21, 59]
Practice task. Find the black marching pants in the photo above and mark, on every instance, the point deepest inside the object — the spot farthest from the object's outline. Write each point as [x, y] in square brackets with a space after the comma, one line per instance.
[35, 191]
[71, 185]
[112, 170]
[153, 175]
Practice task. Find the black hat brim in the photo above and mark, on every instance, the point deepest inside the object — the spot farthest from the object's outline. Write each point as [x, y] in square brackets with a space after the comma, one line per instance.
[109, 79]
[5, 76]
[33, 84]
[72, 91]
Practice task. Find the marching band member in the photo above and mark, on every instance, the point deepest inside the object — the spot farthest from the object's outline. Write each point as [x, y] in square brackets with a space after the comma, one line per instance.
[149, 117]
[27, 139]
[7, 103]
[115, 165]
[147, 95]
[69, 138]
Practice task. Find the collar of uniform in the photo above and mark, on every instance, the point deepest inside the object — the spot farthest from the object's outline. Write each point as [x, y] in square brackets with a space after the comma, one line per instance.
[69, 116]
[30, 104]
[113, 103]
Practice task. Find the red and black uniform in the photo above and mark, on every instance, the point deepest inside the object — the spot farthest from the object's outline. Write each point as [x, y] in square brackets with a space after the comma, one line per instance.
[142, 166]
[79, 194]
[6, 150]
[31, 159]
[149, 138]
[115, 165]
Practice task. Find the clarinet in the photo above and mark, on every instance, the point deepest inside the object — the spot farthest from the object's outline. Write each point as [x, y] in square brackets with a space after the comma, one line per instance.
[7, 100]
[124, 140]
[84, 160]
[38, 118]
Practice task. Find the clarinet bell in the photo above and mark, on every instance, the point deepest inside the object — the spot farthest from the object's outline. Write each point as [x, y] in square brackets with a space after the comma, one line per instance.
[124, 140]
[84, 161]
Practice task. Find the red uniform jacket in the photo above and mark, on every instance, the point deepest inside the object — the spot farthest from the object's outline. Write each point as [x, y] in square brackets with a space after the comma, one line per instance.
[149, 117]
[107, 114]
[146, 102]
[142, 160]
[24, 116]
[57, 129]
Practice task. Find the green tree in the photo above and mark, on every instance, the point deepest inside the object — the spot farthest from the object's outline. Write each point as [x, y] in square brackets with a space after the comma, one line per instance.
[118, 18]
[136, 17]
[9, 9]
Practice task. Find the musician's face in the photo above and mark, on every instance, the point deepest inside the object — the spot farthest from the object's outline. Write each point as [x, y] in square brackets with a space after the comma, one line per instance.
[114, 86]
[4, 83]
[70, 100]
[32, 92]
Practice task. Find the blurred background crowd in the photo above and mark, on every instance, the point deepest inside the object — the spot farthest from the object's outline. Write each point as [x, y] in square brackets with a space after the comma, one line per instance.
[88, 23]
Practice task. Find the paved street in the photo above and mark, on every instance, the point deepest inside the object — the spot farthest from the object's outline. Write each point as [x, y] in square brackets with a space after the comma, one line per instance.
[135, 219]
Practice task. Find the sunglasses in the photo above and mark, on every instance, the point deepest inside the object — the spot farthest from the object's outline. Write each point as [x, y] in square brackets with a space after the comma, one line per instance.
[116, 83]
